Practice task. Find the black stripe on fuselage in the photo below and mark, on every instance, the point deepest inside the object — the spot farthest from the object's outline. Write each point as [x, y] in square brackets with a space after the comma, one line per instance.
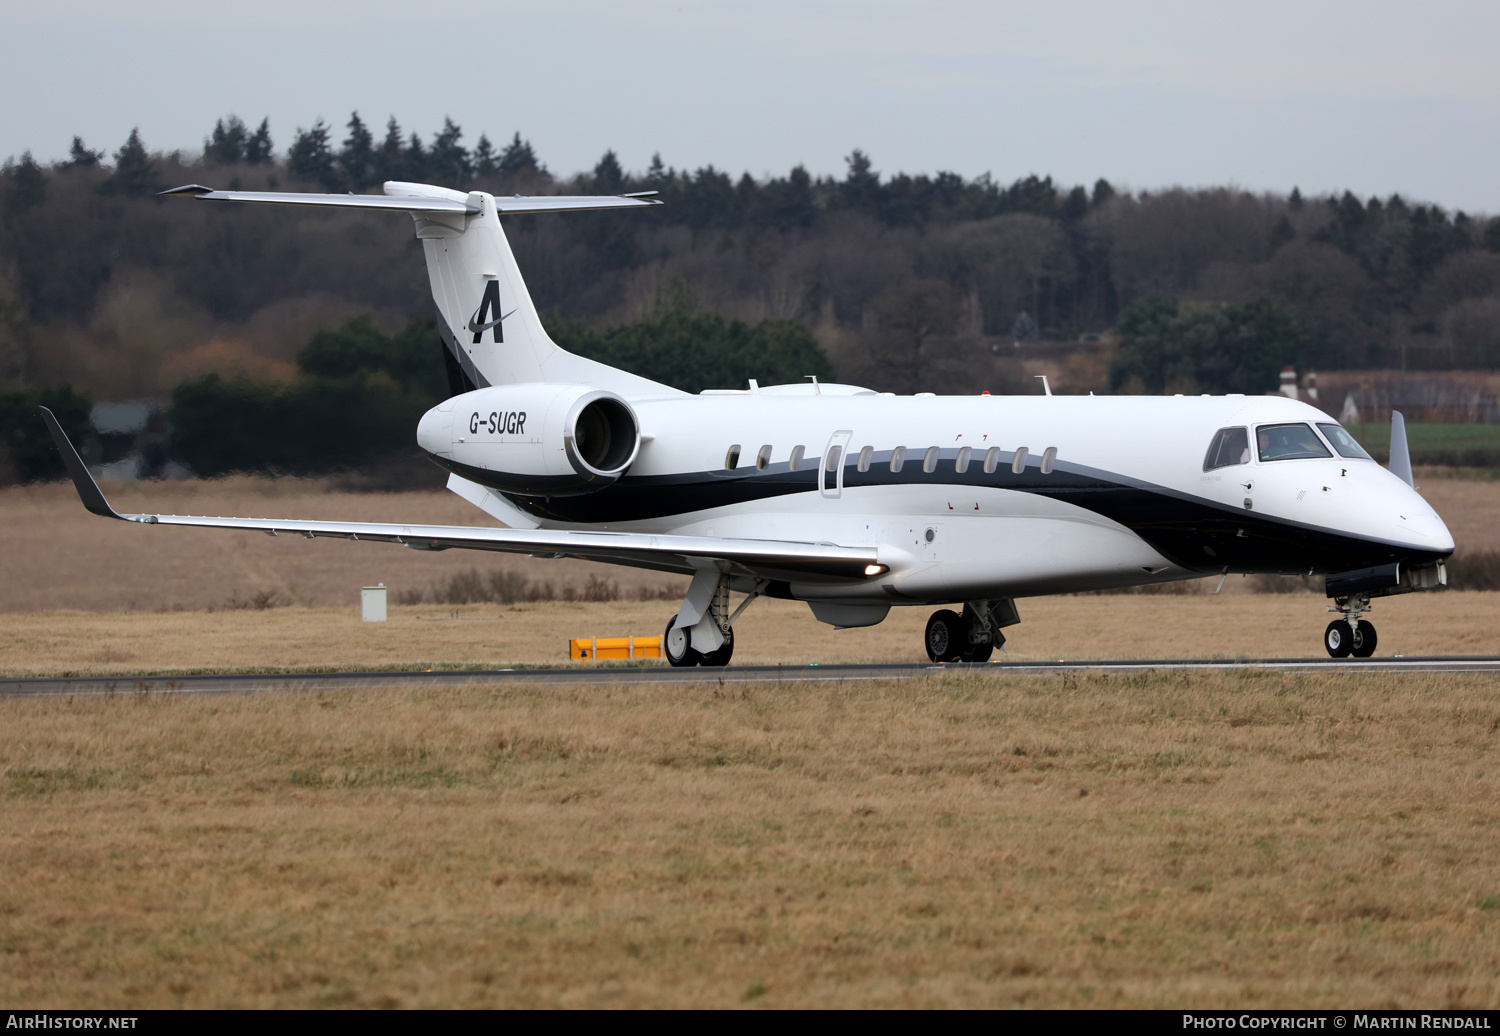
[1189, 531]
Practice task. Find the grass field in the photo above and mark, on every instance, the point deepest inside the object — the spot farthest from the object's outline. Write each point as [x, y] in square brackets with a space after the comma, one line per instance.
[769, 633]
[1477, 444]
[1154, 841]
[58, 556]
[965, 839]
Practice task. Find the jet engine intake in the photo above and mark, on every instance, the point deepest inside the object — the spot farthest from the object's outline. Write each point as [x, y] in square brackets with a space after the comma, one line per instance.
[536, 440]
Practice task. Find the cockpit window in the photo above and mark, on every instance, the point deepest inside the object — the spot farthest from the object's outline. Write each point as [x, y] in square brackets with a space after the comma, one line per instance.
[1230, 446]
[1344, 442]
[1289, 442]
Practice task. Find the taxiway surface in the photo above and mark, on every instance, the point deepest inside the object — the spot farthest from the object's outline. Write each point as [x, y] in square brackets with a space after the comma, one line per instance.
[241, 683]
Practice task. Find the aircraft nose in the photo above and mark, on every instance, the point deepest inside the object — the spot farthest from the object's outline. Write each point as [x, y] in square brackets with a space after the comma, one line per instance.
[1419, 523]
[435, 430]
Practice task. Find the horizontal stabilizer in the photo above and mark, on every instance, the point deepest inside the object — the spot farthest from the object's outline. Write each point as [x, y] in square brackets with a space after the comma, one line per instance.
[455, 204]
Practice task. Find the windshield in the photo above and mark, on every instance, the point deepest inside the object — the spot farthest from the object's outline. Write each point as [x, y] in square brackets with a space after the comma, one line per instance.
[1344, 442]
[1289, 442]
[1230, 446]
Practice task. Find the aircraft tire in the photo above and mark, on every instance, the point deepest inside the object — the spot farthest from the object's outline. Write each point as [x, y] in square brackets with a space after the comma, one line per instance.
[979, 652]
[1364, 639]
[1338, 638]
[945, 632]
[719, 655]
[686, 656]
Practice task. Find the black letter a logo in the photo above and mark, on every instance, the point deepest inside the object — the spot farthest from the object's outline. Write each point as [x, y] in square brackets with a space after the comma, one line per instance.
[489, 307]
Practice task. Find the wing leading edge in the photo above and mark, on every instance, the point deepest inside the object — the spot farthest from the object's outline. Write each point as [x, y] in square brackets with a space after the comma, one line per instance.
[771, 559]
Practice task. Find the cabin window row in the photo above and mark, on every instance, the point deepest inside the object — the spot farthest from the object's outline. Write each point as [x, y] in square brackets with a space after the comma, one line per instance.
[899, 456]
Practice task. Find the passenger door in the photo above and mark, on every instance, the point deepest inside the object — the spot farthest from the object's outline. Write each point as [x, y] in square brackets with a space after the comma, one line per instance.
[831, 470]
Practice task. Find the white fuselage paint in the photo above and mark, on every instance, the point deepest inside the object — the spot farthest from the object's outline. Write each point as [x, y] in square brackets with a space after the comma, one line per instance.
[965, 541]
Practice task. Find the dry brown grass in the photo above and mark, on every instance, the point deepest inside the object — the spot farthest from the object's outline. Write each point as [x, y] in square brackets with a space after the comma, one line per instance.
[60, 556]
[769, 633]
[1154, 841]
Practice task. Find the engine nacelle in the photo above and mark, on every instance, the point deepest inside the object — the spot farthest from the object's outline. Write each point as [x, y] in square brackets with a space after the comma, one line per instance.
[534, 439]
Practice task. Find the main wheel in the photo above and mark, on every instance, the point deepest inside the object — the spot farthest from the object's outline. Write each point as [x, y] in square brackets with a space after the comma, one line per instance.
[676, 646]
[721, 654]
[1338, 638]
[978, 652]
[945, 636]
[1364, 639]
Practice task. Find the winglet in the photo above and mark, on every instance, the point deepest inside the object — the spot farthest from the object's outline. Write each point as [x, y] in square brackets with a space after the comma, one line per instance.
[192, 190]
[88, 489]
[1400, 454]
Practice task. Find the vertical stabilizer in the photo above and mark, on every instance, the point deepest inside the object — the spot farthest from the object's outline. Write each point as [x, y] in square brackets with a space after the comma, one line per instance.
[485, 313]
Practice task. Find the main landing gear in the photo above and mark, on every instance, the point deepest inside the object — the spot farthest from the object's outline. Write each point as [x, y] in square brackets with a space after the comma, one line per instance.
[1350, 635]
[702, 631]
[972, 636]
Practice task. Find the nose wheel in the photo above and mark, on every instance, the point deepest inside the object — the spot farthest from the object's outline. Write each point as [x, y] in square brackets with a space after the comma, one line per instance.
[1350, 635]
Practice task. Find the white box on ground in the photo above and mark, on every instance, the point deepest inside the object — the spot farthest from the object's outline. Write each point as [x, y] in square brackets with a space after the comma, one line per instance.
[372, 603]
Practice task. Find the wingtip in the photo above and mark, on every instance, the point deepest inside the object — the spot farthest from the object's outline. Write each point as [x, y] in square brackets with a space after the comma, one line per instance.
[191, 190]
[88, 490]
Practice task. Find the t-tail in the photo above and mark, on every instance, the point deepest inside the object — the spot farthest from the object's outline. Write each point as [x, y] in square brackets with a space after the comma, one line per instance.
[490, 328]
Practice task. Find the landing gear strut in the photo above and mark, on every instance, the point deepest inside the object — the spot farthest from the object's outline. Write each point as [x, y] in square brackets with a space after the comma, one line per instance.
[1350, 635]
[702, 631]
[972, 636]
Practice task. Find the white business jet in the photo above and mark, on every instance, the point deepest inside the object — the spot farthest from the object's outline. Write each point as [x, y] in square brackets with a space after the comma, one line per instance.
[853, 500]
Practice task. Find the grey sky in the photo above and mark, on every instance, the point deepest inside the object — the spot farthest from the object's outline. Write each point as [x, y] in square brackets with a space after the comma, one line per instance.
[1375, 96]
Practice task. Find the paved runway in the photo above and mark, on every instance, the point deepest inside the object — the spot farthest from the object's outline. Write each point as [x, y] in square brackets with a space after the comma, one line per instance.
[244, 683]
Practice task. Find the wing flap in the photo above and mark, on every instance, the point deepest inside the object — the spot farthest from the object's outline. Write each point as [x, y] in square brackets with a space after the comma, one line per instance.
[781, 558]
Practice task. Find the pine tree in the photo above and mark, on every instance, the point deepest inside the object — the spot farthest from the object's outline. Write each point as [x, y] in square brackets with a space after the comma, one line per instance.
[310, 157]
[135, 173]
[517, 157]
[861, 186]
[657, 174]
[357, 159]
[414, 159]
[28, 186]
[82, 156]
[609, 178]
[258, 149]
[390, 159]
[447, 159]
[486, 162]
[227, 144]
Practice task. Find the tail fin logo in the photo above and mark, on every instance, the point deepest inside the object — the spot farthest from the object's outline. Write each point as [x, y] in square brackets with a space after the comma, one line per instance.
[489, 305]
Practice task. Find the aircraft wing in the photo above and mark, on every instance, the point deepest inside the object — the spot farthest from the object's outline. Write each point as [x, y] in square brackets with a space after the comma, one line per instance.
[770, 559]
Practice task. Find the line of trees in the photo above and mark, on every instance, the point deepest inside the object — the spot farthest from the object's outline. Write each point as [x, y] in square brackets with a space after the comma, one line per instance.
[906, 281]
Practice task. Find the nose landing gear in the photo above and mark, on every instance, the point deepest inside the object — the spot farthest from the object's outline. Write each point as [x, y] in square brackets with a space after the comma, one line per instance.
[1350, 635]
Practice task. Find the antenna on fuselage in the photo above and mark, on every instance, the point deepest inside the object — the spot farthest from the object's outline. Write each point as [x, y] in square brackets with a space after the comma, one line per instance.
[1045, 387]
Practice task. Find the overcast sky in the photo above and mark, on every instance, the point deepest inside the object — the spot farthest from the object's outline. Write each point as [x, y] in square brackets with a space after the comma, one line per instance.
[1375, 96]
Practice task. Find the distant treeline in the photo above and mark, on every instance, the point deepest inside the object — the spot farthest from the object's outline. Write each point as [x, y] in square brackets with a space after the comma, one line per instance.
[360, 392]
[908, 281]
